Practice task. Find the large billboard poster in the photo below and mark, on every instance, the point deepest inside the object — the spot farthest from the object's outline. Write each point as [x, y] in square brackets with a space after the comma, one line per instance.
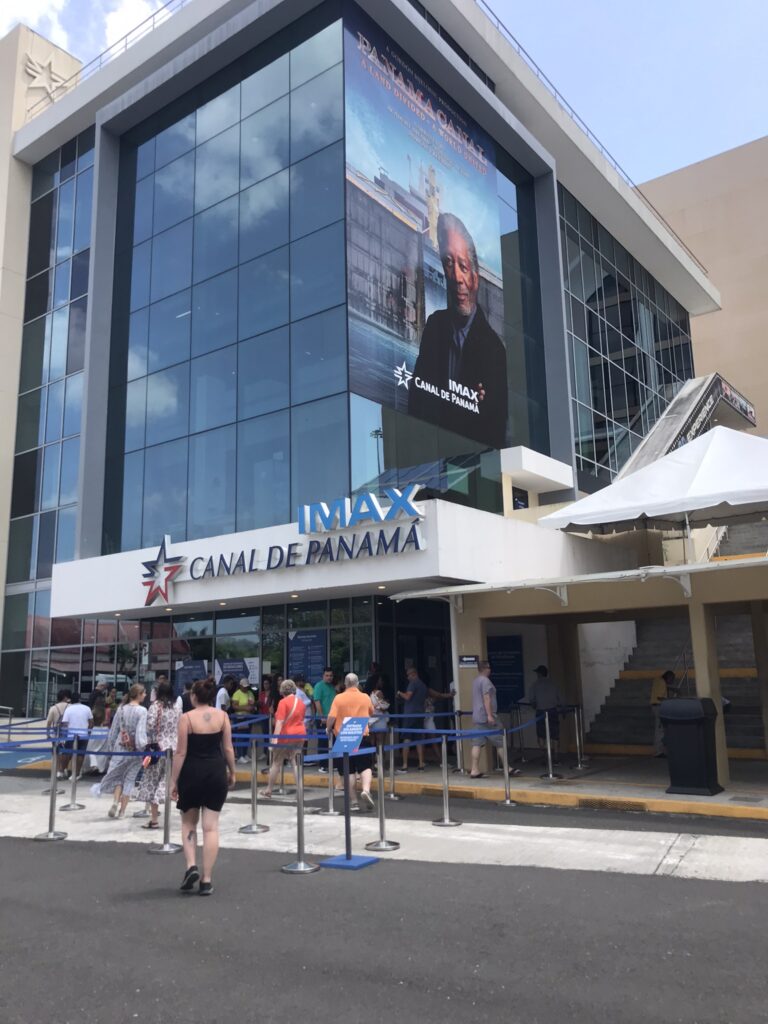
[423, 245]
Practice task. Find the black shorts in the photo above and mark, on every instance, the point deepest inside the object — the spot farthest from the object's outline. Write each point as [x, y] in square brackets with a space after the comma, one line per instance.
[357, 762]
[554, 724]
[69, 745]
[407, 724]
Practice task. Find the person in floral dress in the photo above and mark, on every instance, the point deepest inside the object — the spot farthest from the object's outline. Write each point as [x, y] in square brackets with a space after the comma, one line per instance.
[162, 728]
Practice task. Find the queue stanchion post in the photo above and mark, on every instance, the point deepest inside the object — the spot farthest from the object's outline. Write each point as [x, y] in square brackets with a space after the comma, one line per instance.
[521, 738]
[382, 844]
[392, 795]
[446, 821]
[459, 769]
[579, 722]
[507, 801]
[73, 805]
[549, 774]
[166, 846]
[47, 790]
[253, 828]
[52, 835]
[330, 811]
[300, 866]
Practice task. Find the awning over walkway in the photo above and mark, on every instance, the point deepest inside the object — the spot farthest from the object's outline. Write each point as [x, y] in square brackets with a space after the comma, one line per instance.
[721, 477]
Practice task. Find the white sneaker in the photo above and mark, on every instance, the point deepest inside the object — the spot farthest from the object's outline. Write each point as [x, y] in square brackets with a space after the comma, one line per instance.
[366, 801]
[59, 775]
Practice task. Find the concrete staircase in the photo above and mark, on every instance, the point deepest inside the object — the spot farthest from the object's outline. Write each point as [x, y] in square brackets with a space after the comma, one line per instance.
[625, 717]
[744, 539]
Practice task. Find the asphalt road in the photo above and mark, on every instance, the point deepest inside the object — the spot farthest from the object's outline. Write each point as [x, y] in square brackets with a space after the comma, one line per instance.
[97, 934]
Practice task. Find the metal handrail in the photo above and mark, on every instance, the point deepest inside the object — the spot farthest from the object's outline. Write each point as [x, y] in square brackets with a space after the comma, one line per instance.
[562, 102]
[108, 55]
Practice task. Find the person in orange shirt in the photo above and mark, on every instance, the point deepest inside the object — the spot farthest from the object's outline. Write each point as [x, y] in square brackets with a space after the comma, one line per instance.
[352, 703]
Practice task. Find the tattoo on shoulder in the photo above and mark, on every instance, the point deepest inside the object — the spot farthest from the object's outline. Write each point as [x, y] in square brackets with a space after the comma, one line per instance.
[206, 716]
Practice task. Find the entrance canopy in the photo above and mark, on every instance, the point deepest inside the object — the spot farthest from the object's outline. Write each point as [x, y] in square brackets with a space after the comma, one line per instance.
[721, 477]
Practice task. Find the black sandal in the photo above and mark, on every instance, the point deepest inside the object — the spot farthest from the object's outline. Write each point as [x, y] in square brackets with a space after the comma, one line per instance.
[151, 825]
[481, 775]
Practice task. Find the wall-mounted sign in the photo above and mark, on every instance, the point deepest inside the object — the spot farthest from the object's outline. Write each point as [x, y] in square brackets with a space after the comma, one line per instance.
[391, 529]
[468, 661]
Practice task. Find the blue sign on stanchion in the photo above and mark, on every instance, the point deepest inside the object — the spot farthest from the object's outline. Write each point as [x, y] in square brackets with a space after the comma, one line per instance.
[350, 736]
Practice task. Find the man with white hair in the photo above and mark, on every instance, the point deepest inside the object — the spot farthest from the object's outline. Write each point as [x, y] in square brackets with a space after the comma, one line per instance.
[351, 703]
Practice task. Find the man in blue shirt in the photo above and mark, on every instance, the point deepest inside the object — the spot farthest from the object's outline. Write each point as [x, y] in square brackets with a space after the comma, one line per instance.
[414, 697]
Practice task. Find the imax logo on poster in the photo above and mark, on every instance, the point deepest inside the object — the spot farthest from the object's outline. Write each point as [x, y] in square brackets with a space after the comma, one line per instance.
[366, 508]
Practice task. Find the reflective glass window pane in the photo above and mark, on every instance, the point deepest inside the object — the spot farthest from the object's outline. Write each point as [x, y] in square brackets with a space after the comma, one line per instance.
[135, 414]
[216, 168]
[83, 211]
[212, 483]
[30, 420]
[264, 216]
[168, 404]
[68, 159]
[317, 113]
[263, 472]
[169, 330]
[61, 280]
[218, 114]
[165, 493]
[173, 192]
[49, 493]
[78, 312]
[73, 404]
[65, 535]
[265, 145]
[140, 275]
[240, 620]
[172, 261]
[41, 234]
[45, 174]
[316, 54]
[319, 450]
[264, 86]
[264, 293]
[317, 271]
[86, 142]
[145, 158]
[142, 210]
[53, 419]
[263, 374]
[317, 191]
[213, 391]
[46, 544]
[65, 221]
[26, 483]
[174, 141]
[22, 549]
[138, 335]
[18, 617]
[319, 355]
[133, 489]
[80, 265]
[34, 353]
[59, 336]
[70, 463]
[37, 296]
[215, 239]
[214, 313]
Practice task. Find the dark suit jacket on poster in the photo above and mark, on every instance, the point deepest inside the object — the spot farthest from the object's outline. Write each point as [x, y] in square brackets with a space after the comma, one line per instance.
[483, 359]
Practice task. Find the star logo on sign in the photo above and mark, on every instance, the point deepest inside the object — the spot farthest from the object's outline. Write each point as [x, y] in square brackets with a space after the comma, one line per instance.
[42, 74]
[161, 572]
[403, 376]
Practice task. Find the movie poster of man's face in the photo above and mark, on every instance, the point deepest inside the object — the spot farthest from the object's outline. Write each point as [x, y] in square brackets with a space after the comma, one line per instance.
[423, 246]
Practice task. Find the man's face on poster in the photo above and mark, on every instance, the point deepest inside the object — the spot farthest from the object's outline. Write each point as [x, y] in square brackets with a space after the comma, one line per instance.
[461, 278]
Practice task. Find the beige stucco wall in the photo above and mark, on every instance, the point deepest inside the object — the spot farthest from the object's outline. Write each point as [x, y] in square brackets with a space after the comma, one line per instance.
[720, 209]
[29, 65]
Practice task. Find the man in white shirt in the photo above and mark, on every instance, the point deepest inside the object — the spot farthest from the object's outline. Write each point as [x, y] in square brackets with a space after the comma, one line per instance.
[222, 696]
[77, 721]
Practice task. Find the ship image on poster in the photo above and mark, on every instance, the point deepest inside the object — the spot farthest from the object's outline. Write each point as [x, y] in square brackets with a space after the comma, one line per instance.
[423, 246]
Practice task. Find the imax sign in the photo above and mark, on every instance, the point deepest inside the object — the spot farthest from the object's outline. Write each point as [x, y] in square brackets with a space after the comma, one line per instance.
[365, 509]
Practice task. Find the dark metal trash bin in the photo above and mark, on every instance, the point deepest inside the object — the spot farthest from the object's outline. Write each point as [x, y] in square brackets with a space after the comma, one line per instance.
[689, 737]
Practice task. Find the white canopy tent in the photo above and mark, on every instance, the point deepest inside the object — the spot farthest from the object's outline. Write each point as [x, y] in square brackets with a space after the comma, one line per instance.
[721, 477]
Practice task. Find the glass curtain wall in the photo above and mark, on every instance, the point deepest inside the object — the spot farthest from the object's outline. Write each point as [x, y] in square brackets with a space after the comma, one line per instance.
[228, 404]
[47, 448]
[629, 343]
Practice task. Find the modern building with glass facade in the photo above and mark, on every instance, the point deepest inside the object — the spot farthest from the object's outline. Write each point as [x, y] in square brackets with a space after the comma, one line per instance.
[302, 282]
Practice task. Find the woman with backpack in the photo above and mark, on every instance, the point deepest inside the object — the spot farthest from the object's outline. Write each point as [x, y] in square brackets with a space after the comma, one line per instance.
[162, 728]
[128, 733]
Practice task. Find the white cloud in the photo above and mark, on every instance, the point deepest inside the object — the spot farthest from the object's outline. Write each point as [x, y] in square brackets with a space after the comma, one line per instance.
[44, 16]
[126, 16]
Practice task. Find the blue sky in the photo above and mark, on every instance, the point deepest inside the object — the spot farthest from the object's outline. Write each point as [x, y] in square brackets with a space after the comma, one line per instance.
[662, 83]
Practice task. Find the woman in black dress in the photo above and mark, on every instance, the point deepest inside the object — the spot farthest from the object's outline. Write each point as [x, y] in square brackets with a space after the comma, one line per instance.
[203, 771]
